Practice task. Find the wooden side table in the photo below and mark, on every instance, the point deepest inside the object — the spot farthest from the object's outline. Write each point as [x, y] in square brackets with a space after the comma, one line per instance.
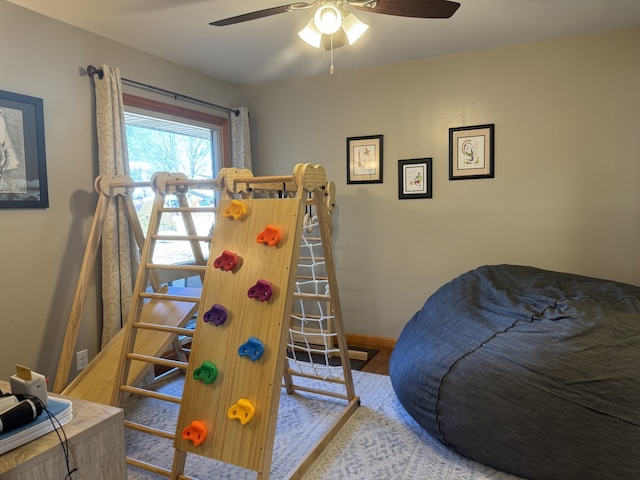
[96, 444]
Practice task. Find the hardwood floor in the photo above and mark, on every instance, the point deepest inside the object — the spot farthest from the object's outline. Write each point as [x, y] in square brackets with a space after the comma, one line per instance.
[380, 362]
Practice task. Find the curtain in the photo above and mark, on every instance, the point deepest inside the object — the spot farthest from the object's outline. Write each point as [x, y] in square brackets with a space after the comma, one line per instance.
[240, 139]
[119, 253]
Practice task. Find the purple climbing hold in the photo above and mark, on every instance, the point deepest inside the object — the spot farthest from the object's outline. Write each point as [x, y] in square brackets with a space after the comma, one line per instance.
[216, 315]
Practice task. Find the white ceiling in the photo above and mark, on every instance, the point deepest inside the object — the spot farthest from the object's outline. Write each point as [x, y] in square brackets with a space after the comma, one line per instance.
[269, 49]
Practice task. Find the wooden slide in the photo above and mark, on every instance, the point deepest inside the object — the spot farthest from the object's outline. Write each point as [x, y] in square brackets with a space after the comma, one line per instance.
[97, 381]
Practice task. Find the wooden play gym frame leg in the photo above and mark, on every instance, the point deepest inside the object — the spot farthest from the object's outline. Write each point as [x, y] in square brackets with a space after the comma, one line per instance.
[109, 189]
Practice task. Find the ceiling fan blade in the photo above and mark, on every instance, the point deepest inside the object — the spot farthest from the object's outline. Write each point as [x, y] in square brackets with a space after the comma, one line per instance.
[413, 8]
[267, 12]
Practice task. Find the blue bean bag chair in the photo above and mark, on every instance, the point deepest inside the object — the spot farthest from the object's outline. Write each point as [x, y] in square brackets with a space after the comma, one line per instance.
[532, 372]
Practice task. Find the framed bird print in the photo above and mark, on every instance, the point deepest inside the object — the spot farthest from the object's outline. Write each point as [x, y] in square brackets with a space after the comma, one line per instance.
[415, 178]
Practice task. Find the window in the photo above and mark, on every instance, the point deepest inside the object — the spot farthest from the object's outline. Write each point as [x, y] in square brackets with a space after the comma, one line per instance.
[166, 138]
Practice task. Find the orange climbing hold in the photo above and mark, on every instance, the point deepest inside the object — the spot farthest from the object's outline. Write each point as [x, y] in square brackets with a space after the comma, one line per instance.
[269, 236]
[196, 432]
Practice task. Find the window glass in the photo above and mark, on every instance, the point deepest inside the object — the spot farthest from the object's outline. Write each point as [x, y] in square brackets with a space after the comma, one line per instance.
[158, 144]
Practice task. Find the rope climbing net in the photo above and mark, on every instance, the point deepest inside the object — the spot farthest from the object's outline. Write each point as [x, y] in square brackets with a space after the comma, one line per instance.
[312, 345]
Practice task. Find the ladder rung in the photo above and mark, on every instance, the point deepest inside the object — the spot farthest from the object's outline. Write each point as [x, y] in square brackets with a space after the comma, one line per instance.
[188, 209]
[306, 279]
[149, 467]
[150, 430]
[167, 296]
[296, 349]
[186, 268]
[312, 296]
[199, 238]
[149, 393]
[277, 179]
[187, 332]
[165, 362]
[134, 462]
[315, 390]
[331, 379]
[308, 316]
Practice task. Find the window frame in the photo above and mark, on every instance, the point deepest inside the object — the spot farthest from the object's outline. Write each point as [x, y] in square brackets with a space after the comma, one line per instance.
[222, 123]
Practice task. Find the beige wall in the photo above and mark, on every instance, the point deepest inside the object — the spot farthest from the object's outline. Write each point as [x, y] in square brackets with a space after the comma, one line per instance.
[41, 250]
[565, 195]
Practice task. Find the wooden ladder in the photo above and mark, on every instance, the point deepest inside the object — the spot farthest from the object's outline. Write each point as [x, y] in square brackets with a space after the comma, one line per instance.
[134, 352]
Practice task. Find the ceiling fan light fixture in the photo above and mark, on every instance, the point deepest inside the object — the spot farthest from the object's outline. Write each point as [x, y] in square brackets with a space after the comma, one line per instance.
[328, 19]
[311, 34]
[353, 27]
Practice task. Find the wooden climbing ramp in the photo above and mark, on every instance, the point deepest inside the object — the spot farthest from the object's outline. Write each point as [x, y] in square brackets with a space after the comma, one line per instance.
[169, 307]
[96, 382]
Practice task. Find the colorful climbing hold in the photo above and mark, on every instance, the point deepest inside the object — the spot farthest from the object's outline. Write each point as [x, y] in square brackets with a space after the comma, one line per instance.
[207, 372]
[243, 410]
[270, 236]
[196, 432]
[217, 315]
[262, 291]
[236, 210]
[227, 261]
[252, 348]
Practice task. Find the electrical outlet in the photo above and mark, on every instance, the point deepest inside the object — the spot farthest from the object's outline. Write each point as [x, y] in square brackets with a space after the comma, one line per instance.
[82, 359]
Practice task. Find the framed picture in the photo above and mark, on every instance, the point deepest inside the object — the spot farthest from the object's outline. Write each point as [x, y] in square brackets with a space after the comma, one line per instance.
[415, 178]
[471, 152]
[23, 171]
[364, 159]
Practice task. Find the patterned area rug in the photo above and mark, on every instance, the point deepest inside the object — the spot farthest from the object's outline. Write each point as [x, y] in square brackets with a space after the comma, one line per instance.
[380, 441]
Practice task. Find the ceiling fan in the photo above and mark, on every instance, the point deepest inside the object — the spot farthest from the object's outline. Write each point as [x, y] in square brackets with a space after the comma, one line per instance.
[332, 25]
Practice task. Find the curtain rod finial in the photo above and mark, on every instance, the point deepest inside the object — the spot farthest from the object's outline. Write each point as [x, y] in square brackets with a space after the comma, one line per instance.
[91, 71]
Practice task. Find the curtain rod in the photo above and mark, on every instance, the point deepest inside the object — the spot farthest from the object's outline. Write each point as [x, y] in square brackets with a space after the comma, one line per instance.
[91, 71]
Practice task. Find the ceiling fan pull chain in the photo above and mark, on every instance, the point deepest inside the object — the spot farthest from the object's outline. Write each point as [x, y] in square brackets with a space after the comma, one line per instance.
[331, 67]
